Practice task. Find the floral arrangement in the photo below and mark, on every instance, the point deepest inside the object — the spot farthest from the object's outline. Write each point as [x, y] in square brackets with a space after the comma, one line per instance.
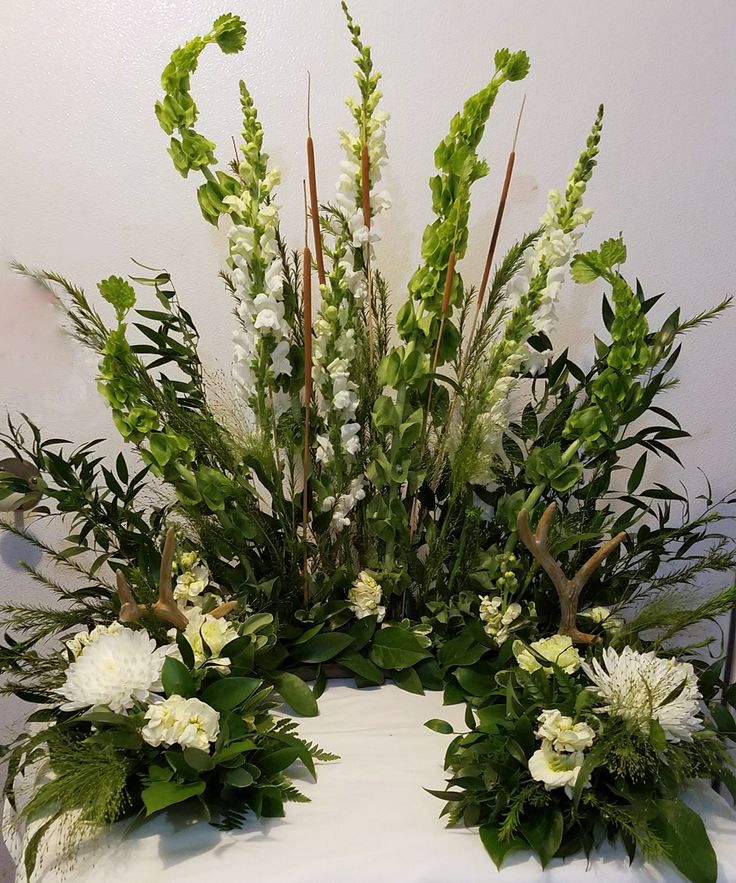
[361, 504]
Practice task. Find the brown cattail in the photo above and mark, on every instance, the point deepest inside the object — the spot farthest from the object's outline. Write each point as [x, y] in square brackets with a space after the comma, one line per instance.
[313, 201]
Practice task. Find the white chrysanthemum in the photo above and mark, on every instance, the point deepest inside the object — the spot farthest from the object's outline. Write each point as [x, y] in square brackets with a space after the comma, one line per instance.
[365, 597]
[119, 669]
[186, 722]
[554, 769]
[641, 687]
[83, 639]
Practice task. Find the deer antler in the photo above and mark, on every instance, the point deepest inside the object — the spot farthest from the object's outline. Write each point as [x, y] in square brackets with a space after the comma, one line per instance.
[568, 590]
[165, 608]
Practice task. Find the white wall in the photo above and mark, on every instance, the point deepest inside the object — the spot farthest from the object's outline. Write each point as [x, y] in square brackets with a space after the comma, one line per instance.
[85, 181]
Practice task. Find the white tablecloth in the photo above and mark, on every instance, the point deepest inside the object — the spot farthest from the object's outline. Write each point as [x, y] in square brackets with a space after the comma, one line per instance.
[370, 821]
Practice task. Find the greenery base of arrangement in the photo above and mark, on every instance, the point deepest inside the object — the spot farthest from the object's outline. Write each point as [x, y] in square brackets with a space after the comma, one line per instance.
[438, 499]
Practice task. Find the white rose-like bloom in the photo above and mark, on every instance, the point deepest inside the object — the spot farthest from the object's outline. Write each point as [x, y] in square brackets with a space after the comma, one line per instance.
[83, 639]
[190, 584]
[564, 735]
[120, 668]
[638, 687]
[365, 597]
[190, 723]
[202, 628]
[555, 770]
[558, 649]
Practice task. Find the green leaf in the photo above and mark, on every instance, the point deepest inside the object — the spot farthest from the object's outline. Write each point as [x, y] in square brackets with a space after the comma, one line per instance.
[228, 693]
[238, 778]
[363, 667]
[495, 847]
[277, 761]
[321, 647]
[397, 648]
[296, 694]
[544, 834]
[408, 680]
[176, 678]
[255, 623]
[612, 252]
[637, 473]
[198, 760]
[689, 848]
[475, 683]
[439, 726]
[159, 795]
[235, 749]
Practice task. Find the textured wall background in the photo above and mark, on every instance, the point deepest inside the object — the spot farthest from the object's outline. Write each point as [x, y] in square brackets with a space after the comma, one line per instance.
[86, 184]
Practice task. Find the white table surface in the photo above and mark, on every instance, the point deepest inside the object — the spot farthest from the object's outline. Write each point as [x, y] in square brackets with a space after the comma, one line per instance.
[370, 821]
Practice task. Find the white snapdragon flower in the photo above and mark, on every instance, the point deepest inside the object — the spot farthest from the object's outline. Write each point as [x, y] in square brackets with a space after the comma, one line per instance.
[349, 437]
[562, 733]
[365, 597]
[641, 687]
[325, 451]
[81, 640]
[190, 723]
[116, 671]
[192, 582]
[557, 648]
[347, 502]
[603, 616]
[498, 618]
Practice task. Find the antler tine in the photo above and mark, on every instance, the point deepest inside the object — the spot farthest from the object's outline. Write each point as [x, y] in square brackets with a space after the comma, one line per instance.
[130, 610]
[597, 558]
[223, 609]
[166, 607]
[536, 543]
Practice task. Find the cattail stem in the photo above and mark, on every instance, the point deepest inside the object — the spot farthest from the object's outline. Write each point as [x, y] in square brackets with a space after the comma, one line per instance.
[314, 211]
[307, 310]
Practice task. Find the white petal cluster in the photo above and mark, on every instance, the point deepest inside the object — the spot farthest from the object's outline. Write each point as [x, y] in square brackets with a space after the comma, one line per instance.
[641, 687]
[557, 648]
[498, 618]
[192, 580]
[258, 278]
[119, 669]
[343, 505]
[202, 628]
[543, 264]
[190, 723]
[81, 640]
[558, 761]
[365, 597]
[348, 184]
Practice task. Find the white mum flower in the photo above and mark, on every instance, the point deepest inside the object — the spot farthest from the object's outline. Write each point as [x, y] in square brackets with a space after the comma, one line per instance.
[83, 639]
[365, 597]
[564, 735]
[640, 687]
[190, 723]
[118, 670]
[554, 769]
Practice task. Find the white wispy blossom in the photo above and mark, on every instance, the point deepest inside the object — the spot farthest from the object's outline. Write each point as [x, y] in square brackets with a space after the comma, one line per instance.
[641, 687]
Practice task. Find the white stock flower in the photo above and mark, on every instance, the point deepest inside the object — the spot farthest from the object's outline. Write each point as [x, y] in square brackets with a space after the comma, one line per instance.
[555, 769]
[497, 618]
[558, 649]
[564, 735]
[603, 616]
[640, 687]
[81, 640]
[190, 723]
[365, 597]
[347, 502]
[119, 669]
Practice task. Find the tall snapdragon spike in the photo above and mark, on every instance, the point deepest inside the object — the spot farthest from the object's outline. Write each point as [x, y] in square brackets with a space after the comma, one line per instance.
[262, 344]
[530, 309]
[346, 293]
[458, 167]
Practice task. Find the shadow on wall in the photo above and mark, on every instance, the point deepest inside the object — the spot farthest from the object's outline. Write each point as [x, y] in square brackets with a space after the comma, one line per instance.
[15, 549]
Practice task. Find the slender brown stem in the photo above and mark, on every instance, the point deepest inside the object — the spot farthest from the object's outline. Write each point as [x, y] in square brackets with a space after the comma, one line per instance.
[313, 201]
[307, 310]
